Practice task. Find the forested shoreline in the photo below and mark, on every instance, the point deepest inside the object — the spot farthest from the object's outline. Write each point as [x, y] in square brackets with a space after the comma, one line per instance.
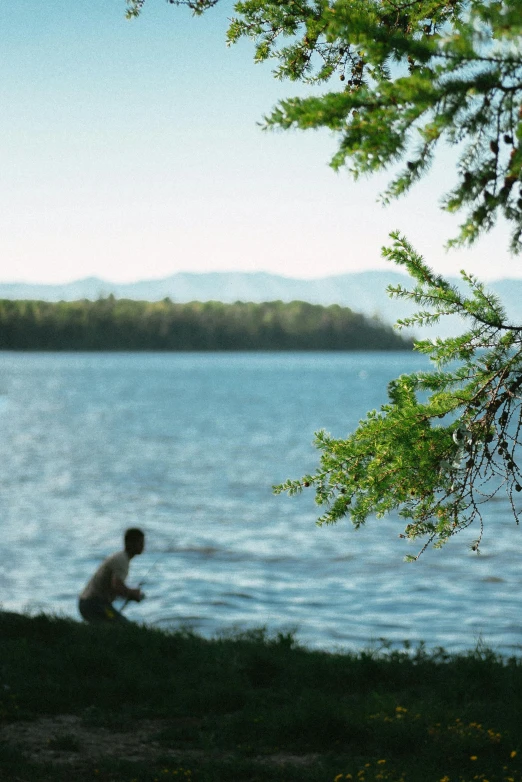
[111, 324]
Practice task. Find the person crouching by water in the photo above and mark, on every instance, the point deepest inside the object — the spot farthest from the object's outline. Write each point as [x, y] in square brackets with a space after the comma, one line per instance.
[108, 582]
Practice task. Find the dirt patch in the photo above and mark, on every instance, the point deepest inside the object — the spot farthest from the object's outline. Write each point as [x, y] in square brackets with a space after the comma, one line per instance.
[67, 739]
[285, 758]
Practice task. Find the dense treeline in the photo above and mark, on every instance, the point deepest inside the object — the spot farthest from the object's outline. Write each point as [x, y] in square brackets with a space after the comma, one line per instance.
[124, 324]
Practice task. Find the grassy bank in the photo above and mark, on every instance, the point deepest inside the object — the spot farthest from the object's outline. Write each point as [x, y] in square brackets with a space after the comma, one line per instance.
[132, 703]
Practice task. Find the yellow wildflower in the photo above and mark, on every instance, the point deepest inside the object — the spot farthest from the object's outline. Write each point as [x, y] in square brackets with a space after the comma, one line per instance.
[513, 754]
[472, 757]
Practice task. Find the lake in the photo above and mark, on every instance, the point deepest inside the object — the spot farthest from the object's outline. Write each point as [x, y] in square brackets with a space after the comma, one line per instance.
[188, 446]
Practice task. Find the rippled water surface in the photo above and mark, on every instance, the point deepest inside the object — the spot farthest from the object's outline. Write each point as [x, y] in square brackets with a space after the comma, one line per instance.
[188, 447]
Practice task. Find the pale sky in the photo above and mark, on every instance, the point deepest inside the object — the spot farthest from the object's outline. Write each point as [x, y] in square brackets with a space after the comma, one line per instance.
[130, 150]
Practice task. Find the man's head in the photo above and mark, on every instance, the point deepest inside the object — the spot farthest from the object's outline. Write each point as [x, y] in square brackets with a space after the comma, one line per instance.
[134, 541]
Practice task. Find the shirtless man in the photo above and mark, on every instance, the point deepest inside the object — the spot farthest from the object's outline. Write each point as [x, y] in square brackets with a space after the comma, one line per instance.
[108, 582]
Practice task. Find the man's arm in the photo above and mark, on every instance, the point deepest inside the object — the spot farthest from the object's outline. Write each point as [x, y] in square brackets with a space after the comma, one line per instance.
[121, 589]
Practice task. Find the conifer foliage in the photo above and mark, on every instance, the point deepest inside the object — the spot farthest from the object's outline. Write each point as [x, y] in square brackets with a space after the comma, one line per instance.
[402, 78]
[412, 74]
[448, 440]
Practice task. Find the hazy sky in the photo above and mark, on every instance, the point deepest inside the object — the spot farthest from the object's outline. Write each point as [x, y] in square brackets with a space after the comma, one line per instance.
[130, 150]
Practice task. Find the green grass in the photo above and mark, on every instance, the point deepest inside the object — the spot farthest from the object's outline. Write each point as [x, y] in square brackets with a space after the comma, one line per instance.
[253, 707]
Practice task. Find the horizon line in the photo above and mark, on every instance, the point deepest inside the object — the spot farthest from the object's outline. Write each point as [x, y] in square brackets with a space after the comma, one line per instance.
[242, 272]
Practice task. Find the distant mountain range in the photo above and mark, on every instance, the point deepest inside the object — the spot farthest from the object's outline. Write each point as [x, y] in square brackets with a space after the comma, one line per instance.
[363, 292]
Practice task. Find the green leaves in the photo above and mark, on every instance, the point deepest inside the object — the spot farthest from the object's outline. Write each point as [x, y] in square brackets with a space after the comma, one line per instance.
[446, 441]
[409, 75]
